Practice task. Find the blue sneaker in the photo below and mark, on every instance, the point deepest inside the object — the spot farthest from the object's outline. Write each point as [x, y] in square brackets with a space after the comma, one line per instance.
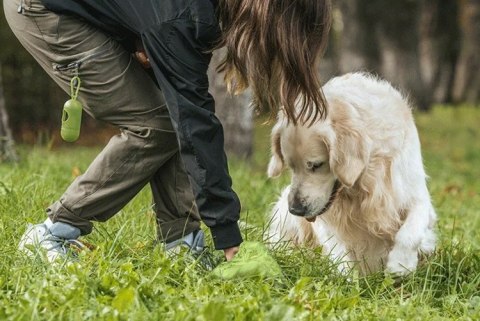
[194, 242]
[54, 240]
[194, 245]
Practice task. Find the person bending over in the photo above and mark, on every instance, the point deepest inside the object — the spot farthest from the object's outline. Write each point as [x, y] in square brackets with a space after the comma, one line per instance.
[169, 134]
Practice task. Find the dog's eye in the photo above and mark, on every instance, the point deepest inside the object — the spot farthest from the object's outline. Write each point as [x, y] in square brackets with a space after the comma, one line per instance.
[313, 166]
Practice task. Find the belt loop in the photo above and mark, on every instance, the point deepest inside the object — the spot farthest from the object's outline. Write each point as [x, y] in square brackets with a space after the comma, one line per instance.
[20, 7]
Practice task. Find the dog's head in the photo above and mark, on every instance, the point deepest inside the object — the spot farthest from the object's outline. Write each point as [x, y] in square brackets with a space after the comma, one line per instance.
[322, 156]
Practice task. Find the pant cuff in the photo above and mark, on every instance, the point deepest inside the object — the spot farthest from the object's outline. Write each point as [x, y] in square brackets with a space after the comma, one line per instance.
[59, 213]
[173, 230]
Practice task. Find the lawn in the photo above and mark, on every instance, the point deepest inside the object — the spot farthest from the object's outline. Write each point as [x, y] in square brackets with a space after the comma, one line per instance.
[129, 278]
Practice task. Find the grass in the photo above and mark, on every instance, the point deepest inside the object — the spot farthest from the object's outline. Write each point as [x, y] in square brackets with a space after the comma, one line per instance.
[128, 278]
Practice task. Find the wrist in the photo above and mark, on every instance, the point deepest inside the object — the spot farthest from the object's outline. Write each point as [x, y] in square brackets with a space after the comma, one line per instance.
[231, 252]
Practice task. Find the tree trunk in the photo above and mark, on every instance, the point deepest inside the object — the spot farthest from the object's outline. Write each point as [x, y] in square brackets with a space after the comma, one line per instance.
[381, 37]
[412, 44]
[357, 47]
[438, 46]
[234, 112]
[397, 34]
[466, 87]
[7, 150]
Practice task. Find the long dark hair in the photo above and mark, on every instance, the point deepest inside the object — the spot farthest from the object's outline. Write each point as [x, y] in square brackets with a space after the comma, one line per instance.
[274, 47]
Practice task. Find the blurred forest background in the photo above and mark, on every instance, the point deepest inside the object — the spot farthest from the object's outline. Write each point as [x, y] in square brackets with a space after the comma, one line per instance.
[428, 48]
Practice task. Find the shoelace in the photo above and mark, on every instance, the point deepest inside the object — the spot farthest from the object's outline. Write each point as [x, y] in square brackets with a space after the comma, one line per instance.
[62, 244]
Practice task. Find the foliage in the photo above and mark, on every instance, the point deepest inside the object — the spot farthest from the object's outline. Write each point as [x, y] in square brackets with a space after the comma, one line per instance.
[32, 98]
[128, 278]
[429, 48]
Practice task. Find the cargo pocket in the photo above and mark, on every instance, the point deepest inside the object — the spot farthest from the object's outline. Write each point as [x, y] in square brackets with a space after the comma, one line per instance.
[93, 91]
[78, 63]
[113, 88]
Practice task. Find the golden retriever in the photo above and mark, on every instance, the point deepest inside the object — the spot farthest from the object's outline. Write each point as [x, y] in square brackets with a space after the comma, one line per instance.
[358, 185]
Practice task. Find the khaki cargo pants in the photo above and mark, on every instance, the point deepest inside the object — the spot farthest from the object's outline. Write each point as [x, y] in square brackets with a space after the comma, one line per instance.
[117, 90]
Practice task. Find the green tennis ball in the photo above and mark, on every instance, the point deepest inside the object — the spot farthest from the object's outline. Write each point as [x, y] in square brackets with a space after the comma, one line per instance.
[71, 120]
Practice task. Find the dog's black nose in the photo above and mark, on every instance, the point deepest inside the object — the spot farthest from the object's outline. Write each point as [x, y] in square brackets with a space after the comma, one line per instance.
[298, 209]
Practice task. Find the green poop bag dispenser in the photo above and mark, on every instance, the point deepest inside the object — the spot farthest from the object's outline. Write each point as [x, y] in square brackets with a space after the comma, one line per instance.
[72, 114]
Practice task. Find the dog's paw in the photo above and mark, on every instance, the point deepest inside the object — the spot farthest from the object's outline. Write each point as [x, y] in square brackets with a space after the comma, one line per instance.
[402, 261]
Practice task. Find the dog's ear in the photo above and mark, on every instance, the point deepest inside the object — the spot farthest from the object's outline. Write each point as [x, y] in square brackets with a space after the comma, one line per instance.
[276, 164]
[348, 153]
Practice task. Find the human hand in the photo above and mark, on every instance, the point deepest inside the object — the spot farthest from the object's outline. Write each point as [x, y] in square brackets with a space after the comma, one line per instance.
[141, 55]
[230, 252]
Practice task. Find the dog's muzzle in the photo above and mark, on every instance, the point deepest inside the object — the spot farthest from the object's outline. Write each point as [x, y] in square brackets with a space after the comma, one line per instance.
[333, 195]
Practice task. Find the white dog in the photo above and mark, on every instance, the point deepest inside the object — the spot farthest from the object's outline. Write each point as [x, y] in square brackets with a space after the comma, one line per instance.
[358, 185]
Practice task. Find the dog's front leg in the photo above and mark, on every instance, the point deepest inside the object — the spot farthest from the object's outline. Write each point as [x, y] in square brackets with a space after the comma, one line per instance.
[286, 227]
[415, 232]
[332, 246]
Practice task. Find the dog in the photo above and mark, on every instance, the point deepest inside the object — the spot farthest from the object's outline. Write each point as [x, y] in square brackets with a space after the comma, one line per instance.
[358, 186]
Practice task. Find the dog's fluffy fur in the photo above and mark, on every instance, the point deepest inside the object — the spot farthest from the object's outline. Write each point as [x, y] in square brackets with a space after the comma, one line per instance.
[381, 216]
